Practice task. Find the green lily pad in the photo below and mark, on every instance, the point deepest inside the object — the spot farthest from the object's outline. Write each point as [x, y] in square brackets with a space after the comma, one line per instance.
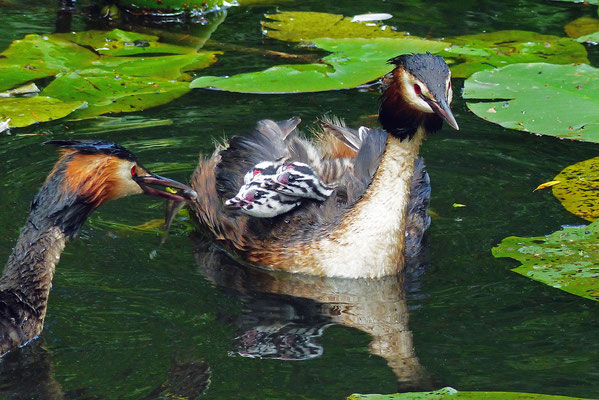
[472, 53]
[556, 100]
[452, 394]
[566, 259]
[121, 43]
[35, 57]
[297, 26]
[578, 190]
[113, 82]
[114, 93]
[30, 110]
[592, 38]
[353, 62]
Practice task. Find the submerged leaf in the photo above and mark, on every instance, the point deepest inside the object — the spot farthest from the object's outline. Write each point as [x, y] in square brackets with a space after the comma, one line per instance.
[566, 259]
[579, 192]
[581, 26]
[452, 394]
[472, 53]
[353, 62]
[30, 110]
[556, 100]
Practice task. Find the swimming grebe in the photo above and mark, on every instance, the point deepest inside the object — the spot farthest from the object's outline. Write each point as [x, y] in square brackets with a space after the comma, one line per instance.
[360, 229]
[87, 174]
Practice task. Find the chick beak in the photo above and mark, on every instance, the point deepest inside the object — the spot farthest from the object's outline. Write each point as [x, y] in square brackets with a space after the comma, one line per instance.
[173, 190]
[442, 109]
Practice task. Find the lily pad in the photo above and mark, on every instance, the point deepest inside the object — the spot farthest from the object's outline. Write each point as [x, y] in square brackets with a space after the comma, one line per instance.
[452, 394]
[587, 2]
[472, 53]
[353, 62]
[556, 100]
[113, 82]
[30, 110]
[298, 26]
[578, 190]
[566, 259]
[35, 57]
[114, 93]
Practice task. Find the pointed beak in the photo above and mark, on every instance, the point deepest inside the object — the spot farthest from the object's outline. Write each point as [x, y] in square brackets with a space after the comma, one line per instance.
[442, 109]
[173, 190]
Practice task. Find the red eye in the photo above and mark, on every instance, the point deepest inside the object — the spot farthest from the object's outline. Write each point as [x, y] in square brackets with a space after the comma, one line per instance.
[257, 171]
[133, 170]
[289, 167]
[449, 85]
[417, 88]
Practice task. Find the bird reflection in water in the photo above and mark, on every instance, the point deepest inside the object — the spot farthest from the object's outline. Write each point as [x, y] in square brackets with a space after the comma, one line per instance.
[284, 314]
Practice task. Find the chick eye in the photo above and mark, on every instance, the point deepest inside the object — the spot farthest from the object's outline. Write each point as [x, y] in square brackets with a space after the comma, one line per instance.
[133, 170]
[257, 171]
[417, 88]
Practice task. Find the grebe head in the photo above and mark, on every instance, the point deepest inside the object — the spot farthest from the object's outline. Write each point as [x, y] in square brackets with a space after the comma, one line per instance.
[299, 180]
[254, 200]
[418, 92]
[98, 171]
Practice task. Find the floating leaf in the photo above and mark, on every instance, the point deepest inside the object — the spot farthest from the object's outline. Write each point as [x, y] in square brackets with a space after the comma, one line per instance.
[114, 93]
[297, 26]
[546, 185]
[566, 259]
[472, 53]
[556, 100]
[30, 110]
[110, 82]
[586, 2]
[36, 57]
[353, 62]
[458, 205]
[452, 394]
[590, 38]
[121, 43]
[579, 192]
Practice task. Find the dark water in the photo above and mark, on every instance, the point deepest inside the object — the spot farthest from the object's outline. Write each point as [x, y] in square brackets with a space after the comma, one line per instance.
[123, 325]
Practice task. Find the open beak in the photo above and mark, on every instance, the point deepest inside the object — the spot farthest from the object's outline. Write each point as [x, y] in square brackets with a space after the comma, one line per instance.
[156, 185]
[442, 109]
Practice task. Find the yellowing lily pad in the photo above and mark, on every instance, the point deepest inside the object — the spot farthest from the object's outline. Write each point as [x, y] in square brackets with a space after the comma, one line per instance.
[472, 53]
[452, 394]
[556, 100]
[353, 62]
[298, 26]
[566, 259]
[114, 93]
[579, 189]
[30, 110]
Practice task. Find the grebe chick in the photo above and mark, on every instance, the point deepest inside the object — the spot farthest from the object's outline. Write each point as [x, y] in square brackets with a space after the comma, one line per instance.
[254, 200]
[298, 180]
[87, 174]
[360, 230]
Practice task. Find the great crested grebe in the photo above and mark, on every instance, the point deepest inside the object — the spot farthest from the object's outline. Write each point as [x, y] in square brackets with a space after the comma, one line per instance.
[360, 229]
[87, 174]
